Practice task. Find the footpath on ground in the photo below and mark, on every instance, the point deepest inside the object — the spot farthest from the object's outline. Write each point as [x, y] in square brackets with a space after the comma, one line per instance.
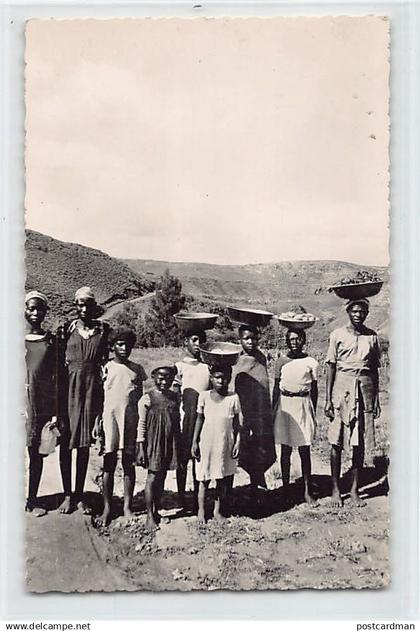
[271, 548]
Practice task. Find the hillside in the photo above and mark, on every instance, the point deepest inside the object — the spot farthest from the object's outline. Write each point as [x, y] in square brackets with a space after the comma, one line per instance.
[271, 282]
[275, 287]
[58, 269]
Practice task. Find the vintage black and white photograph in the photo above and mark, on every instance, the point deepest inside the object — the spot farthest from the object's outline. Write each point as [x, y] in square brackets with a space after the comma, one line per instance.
[207, 304]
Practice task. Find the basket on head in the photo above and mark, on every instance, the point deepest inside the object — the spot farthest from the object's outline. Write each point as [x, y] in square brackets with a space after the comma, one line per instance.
[191, 322]
[220, 353]
[356, 291]
[252, 317]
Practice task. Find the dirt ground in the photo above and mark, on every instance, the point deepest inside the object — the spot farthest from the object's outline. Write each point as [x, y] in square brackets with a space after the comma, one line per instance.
[261, 548]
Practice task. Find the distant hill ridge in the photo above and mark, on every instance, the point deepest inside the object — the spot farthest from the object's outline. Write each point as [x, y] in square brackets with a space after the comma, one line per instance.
[59, 268]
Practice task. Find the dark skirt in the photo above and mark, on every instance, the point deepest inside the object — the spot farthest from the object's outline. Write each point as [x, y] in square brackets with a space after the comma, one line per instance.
[162, 440]
[189, 406]
[85, 401]
[257, 453]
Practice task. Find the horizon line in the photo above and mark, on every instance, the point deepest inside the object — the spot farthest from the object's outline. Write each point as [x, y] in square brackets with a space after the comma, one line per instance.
[385, 266]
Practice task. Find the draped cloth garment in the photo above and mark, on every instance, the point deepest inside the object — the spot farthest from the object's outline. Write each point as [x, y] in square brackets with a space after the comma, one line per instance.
[257, 451]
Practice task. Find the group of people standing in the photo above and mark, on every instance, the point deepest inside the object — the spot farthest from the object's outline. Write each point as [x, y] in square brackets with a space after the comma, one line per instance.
[82, 382]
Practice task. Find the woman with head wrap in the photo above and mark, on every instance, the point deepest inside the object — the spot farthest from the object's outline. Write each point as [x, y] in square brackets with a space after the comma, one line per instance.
[352, 401]
[86, 351]
[41, 390]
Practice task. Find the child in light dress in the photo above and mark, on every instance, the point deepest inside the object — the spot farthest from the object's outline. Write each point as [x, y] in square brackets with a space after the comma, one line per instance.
[216, 440]
[123, 387]
[158, 447]
[295, 397]
[192, 378]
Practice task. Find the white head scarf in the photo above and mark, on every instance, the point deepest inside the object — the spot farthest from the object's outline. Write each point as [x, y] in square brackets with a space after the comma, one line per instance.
[84, 292]
[36, 294]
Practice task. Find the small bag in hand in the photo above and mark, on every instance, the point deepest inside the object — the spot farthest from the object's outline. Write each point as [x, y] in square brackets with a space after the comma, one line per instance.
[49, 436]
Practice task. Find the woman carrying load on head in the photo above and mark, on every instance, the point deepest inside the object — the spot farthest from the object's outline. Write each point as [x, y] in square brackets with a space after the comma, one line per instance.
[86, 351]
[352, 401]
[295, 397]
[257, 452]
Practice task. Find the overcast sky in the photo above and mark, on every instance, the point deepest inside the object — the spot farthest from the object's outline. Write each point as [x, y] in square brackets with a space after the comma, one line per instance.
[220, 141]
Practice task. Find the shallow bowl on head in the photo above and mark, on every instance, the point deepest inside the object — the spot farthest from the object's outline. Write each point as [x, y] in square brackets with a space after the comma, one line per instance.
[220, 353]
[256, 318]
[355, 291]
[296, 325]
[191, 322]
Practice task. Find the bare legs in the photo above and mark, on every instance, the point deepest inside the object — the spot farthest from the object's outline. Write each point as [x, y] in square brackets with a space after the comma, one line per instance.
[155, 483]
[65, 468]
[305, 459]
[181, 479]
[35, 472]
[110, 463]
[356, 467]
[129, 483]
[221, 493]
[336, 498]
[82, 461]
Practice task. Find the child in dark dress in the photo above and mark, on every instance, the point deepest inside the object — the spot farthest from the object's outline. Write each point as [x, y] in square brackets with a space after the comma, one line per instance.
[41, 390]
[86, 351]
[158, 437]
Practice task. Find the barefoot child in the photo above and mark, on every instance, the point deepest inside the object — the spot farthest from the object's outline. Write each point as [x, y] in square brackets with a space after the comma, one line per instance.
[123, 387]
[295, 397]
[86, 351]
[41, 390]
[252, 385]
[158, 438]
[192, 378]
[216, 440]
[352, 401]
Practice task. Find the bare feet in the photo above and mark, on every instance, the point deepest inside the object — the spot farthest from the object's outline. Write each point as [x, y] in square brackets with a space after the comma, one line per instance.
[201, 519]
[65, 506]
[356, 500]
[36, 511]
[160, 519]
[103, 520]
[311, 501]
[219, 518]
[336, 499]
[151, 525]
[128, 512]
[84, 508]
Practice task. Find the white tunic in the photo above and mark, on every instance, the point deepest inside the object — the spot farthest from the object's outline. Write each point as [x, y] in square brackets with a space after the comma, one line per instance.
[294, 423]
[217, 436]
